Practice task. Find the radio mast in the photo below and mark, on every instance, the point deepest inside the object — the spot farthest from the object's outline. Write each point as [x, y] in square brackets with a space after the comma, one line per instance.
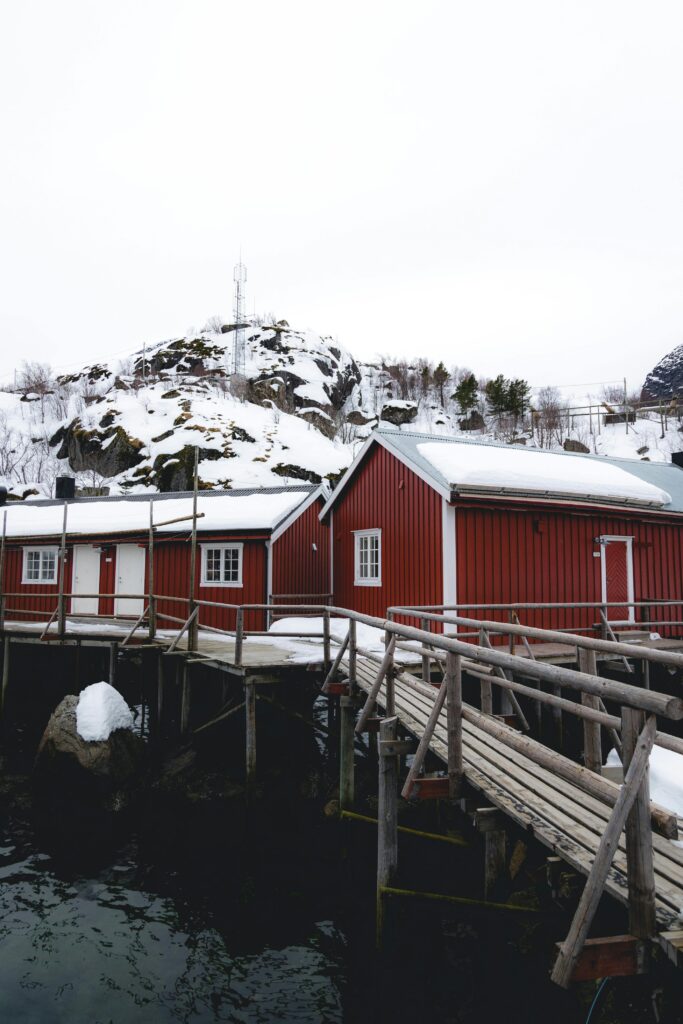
[239, 345]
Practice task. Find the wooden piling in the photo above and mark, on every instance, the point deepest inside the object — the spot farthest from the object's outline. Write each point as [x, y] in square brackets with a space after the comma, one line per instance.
[160, 697]
[113, 660]
[592, 743]
[193, 628]
[639, 859]
[490, 822]
[387, 819]
[5, 673]
[185, 700]
[61, 615]
[454, 723]
[347, 737]
[250, 733]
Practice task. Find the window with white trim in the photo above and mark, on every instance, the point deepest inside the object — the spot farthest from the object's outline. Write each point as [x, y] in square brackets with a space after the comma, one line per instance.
[222, 565]
[40, 565]
[368, 558]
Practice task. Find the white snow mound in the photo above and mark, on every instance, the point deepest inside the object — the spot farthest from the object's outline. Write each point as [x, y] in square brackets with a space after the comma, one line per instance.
[666, 777]
[101, 710]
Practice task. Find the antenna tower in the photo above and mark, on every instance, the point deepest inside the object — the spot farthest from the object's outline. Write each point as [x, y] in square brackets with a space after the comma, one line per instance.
[239, 345]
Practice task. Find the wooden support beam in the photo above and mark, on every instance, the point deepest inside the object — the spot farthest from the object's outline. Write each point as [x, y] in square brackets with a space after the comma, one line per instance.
[571, 947]
[615, 956]
[490, 822]
[425, 740]
[453, 680]
[592, 744]
[385, 665]
[639, 858]
[387, 822]
[185, 700]
[250, 732]
[5, 672]
[347, 737]
[337, 689]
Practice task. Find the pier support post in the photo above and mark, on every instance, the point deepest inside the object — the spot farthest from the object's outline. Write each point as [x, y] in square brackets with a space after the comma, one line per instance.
[5, 673]
[489, 822]
[160, 698]
[113, 658]
[347, 736]
[592, 744]
[185, 700]
[250, 732]
[454, 722]
[387, 818]
[639, 861]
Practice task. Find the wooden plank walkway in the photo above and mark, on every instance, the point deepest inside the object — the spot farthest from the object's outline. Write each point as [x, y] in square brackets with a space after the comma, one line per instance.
[560, 815]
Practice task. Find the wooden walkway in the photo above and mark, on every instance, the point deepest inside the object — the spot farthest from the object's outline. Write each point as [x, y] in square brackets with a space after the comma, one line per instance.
[560, 815]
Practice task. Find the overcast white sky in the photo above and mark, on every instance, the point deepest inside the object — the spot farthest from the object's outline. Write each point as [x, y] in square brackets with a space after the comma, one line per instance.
[495, 184]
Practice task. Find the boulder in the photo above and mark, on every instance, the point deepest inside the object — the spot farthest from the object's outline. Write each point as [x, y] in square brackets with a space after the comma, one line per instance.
[571, 445]
[399, 412]
[107, 452]
[70, 766]
[175, 471]
[320, 420]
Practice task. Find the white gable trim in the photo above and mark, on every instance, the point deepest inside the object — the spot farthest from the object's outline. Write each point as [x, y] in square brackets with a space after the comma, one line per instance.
[376, 438]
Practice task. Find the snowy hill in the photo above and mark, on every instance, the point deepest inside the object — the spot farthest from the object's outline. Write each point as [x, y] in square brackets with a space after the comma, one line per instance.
[299, 412]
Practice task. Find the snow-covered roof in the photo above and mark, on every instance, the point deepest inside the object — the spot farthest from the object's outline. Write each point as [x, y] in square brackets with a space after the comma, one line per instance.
[470, 467]
[220, 511]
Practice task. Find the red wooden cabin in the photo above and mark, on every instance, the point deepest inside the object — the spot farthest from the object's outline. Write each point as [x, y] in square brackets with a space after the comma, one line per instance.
[429, 520]
[251, 544]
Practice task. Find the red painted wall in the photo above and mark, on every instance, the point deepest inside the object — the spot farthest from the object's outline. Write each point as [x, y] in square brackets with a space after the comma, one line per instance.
[172, 575]
[297, 567]
[513, 554]
[28, 601]
[386, 495]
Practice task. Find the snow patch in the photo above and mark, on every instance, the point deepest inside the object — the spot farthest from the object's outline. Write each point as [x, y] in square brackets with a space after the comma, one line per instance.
[666, 777]
[101, 710]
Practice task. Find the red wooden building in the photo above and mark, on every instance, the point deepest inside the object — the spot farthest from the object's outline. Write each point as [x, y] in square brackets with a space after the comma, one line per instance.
[424, 519]
[251, 544]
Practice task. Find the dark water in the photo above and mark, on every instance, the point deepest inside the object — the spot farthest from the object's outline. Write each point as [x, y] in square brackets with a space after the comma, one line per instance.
[104, 946]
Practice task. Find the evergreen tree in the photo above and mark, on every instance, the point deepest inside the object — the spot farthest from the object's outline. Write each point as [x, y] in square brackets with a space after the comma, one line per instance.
[498, 395]
[440, 378]
[466, 393]
[519, 393]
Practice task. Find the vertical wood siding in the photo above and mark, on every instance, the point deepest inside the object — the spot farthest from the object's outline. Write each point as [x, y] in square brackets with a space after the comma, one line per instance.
[172, 575]
[510, 554]
[297, 568]
[29, 602]
[387, 495]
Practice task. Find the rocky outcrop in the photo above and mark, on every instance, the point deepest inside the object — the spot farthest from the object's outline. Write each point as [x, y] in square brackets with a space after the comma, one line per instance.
[297, 473]
[665, 380]
[475, 421]
[320, 420]
[175, 471]
[107, 452]
[571, 445]
[74, 768]
[399, 413]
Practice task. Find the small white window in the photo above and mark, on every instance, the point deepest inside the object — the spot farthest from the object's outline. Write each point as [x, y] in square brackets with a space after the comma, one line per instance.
[368, 558]
[221, 565]
[40, 565]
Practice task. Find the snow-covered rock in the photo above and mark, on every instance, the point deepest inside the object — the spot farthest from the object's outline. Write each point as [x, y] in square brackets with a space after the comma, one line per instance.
[666, 378]
[101, 710]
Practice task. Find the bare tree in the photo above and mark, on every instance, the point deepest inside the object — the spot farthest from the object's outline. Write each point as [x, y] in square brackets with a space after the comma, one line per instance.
[547, 417]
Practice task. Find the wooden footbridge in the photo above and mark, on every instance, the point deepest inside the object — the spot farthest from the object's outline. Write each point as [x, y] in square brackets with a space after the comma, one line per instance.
[410, 693]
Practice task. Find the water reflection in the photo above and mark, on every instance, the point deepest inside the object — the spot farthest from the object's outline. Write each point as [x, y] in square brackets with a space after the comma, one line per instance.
[104, 949]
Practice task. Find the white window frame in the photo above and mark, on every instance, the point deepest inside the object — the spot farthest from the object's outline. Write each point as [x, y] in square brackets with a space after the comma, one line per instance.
[222, 546]
[606, 539]
[43, 549]
[357, 581]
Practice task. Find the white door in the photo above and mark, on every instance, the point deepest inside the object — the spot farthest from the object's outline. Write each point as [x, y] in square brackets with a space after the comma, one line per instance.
[86, 579]
[130, 579]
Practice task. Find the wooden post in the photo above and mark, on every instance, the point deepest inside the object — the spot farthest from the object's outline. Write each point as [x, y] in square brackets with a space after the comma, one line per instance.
[390, 678]
[556, 712]
[593, 889]
[185, 700]
[239, 635]
[426, 662]
[592, 744]
[353, 657]
[113, 658]
[387, 819]
[326, 641]
[454, 719]
[2, 571]
[489, 821]
[5, 673]
[77, 664]
[347, 736]
[486, 693]
[160, 697]
[250, 724]
[193, 628]
[639, 861]
[61, 620]
[151, 599]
